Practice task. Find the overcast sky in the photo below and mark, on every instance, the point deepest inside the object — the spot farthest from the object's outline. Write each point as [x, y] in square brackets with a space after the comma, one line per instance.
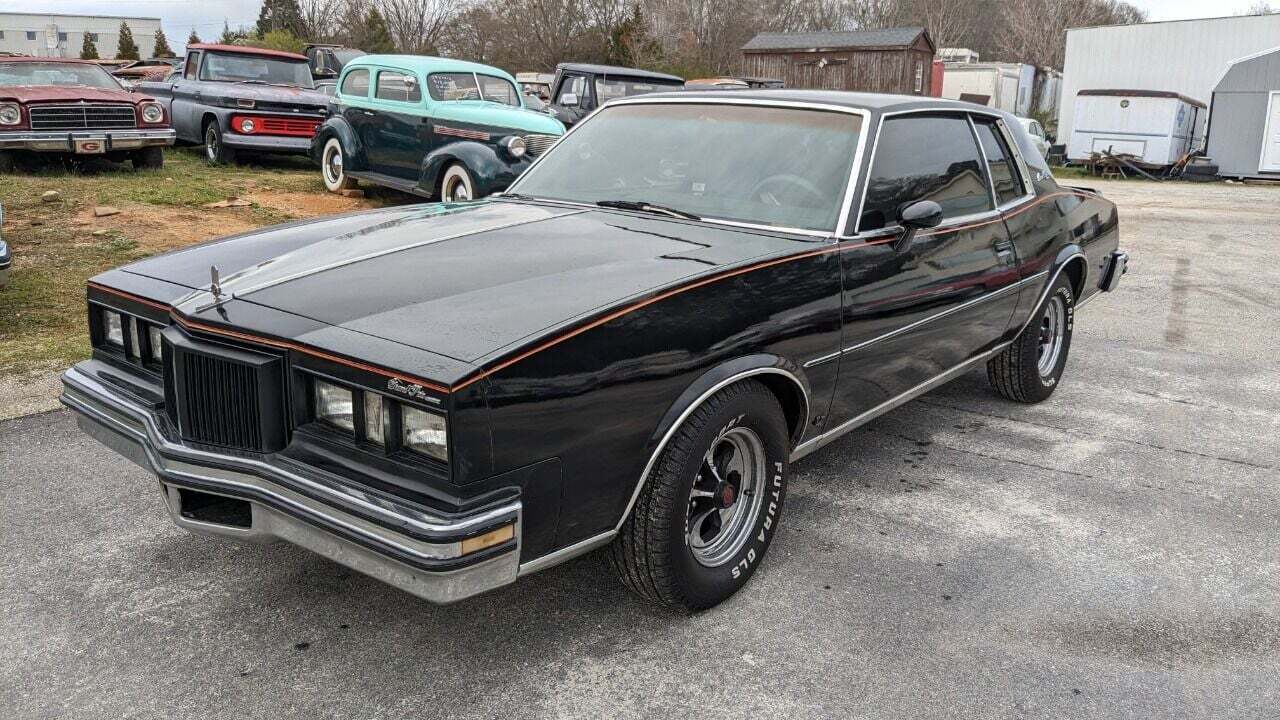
[207, 16]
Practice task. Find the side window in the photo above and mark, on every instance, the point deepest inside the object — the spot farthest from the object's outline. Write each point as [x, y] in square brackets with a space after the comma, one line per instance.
[924, 157]
[356, 83]
[575, 84]
[192, 66]
[495, 89]
[397, 86]
[453, 86]
[1004, 174]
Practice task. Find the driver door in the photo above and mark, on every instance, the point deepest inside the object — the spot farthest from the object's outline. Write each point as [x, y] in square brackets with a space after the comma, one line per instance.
[913, 315]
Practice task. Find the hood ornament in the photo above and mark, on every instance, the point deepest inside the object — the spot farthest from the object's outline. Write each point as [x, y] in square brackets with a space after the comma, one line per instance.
[215, 289]
[215, 286]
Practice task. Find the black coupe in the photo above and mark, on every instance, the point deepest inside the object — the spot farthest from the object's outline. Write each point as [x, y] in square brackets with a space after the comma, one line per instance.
[627, 349]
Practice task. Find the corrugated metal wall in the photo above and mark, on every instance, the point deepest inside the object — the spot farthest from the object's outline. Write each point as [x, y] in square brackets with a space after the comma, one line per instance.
[891, 71]
[1186, 56]
[1240, 107]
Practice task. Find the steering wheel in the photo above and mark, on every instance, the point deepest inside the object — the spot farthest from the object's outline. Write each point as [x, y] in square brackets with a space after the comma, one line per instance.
[768, 189]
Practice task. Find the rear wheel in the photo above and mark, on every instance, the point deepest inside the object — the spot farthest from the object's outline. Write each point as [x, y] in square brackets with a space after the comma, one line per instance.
[457, 185]
[333, 167]
[215, 151]
[151, 158]
[711, 504]
[1029, 369]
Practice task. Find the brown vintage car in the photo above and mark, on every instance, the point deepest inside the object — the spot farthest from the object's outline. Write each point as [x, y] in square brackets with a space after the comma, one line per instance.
[75, 107]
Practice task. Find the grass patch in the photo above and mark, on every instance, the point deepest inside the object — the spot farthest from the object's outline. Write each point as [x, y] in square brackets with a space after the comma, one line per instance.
[42, 311]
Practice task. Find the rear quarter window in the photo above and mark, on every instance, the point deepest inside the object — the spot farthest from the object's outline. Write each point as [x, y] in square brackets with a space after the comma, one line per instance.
[397, 86]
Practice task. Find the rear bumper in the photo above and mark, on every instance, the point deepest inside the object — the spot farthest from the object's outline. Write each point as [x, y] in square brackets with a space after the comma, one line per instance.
[402, 545]
[65, 140]
[1117, 265]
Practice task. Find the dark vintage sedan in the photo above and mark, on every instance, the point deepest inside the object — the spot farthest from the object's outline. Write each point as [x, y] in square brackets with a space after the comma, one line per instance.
[628, 349]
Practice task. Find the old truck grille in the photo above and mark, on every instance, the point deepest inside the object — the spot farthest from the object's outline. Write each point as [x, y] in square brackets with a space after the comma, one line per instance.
[224, 396]
[97, 116]
[300, 127]
[538, 144]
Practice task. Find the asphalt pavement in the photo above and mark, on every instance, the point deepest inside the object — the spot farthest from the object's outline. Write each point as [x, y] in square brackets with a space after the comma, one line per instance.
[1110, 553]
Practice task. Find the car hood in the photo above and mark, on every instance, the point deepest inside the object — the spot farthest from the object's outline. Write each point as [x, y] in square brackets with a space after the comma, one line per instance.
[270, 93]
[466, 282]
[62, 93]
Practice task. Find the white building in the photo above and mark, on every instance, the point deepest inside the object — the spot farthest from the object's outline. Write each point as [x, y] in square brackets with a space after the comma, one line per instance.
[1185, 57]
[48, 35]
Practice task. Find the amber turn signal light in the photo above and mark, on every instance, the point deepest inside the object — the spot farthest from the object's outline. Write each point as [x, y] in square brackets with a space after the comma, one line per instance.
[488, 540]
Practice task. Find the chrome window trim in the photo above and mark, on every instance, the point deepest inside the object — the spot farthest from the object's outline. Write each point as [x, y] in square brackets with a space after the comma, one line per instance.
[697, 402]
[924, 321]
[969, 113]
[854, 168]
[1028, 188]
[986, 163]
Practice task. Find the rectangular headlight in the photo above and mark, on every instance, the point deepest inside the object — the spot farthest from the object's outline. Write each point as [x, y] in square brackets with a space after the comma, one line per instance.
[424, 432]
[374, 418]
[334, 405]
[113, 327]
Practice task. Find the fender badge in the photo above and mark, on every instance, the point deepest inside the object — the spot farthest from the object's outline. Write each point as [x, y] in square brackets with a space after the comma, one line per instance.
[412, 390]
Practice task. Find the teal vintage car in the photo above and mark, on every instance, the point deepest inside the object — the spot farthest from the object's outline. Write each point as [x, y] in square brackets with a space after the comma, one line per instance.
[440, 128]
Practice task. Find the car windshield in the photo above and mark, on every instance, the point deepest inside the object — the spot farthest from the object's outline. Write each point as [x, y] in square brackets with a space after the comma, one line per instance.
[54, 73]
[257, 69]
[783, 167]
[608, 88]
[463, 86]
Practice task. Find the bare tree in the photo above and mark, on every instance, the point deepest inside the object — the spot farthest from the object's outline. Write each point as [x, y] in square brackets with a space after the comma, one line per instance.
[417, 25]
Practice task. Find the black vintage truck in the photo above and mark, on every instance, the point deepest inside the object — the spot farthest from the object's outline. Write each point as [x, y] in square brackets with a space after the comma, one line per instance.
[234, 99]
[580, 88]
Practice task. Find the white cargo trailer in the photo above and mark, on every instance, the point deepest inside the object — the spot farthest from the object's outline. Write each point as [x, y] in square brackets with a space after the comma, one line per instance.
[1005, 86]
[1154, 126]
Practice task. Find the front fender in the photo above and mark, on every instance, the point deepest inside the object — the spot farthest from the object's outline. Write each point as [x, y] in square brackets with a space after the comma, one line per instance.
[490, 171]
[782, 376]
[337, 126]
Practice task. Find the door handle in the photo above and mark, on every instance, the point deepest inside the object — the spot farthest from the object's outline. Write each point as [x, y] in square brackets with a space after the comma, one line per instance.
[367, 112]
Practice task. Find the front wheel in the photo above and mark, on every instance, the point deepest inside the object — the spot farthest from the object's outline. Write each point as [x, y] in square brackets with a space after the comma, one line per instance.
[1030, 368]
[7, 162]
[712, 502]
[332, 167]
[151, 158]
[457, 185]
[215, 150]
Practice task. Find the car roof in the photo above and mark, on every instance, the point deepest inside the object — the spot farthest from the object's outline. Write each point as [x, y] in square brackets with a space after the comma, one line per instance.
[621, 71]
[246, 50]
[427, 64]
[877, 102]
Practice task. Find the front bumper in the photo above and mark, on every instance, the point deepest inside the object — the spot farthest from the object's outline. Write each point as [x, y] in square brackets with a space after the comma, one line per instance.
[268, 143]
[65, 140]
[402, 545]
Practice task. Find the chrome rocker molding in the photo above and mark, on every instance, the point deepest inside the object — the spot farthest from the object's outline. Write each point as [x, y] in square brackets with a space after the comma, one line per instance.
[355, 541]
[807, 447]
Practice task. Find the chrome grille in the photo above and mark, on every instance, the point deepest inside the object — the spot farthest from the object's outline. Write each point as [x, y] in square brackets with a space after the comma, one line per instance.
[538, 144]
[83, 116]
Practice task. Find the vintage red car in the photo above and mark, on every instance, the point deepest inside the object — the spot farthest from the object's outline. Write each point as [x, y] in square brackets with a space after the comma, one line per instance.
[75, 107]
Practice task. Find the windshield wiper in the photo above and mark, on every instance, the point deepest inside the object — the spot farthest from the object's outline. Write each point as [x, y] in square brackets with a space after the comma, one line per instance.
[516, 196]
[643, 206]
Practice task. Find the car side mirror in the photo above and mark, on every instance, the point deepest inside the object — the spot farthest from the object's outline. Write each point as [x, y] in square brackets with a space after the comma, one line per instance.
[569, 100]
[919, 215]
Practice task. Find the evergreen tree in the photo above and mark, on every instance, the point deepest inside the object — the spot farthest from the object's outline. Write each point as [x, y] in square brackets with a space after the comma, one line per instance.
[232, 37]
[193, 38]
[162, 48]
[376, 38]
[127, 49]
[280, 15]
[89, 50]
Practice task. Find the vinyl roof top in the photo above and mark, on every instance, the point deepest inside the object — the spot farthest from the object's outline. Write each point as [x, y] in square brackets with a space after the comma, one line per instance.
[879, 102]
